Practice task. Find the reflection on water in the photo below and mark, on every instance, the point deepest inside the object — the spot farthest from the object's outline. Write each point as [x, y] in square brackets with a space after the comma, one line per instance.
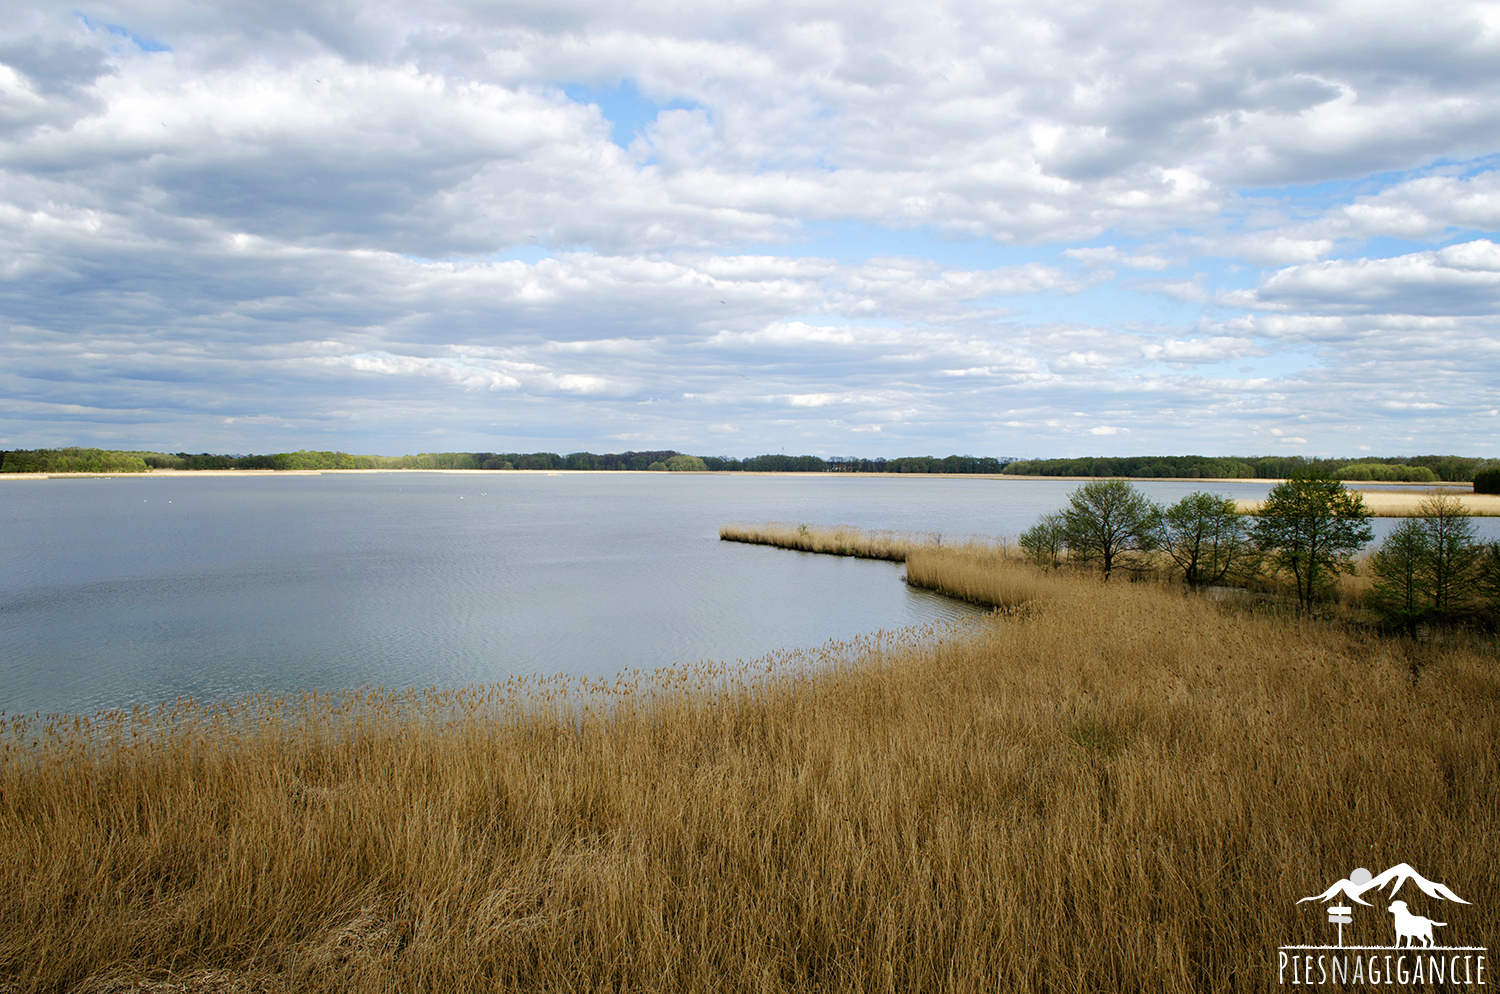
[116, 592]
[125, 591]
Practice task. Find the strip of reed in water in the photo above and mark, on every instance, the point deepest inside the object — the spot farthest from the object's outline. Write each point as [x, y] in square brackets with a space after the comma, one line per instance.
[840, 540]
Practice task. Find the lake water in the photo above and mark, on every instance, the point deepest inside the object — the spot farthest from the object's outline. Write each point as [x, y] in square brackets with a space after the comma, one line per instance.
[125, 591]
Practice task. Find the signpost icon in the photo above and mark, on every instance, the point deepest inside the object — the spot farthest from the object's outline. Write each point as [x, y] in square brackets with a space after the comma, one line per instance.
[1340, 915]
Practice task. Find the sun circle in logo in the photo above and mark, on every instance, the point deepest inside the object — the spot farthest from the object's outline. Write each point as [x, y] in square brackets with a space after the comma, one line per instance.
[1360, 877]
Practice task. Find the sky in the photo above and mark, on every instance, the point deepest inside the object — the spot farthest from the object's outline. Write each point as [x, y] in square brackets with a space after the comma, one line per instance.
[1016, 229]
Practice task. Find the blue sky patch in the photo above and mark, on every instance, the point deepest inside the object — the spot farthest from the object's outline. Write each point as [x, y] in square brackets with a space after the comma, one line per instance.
[625, 107]
[139, 41]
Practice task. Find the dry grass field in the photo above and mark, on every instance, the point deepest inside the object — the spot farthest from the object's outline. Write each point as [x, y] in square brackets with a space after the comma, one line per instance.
[1122, 788]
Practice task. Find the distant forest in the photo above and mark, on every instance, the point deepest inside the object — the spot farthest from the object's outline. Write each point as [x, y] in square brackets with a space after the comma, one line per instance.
[1413, 469]
[1394, 469]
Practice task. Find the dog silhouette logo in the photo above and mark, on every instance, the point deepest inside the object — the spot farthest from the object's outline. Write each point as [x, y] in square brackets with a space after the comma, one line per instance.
[1414, 957]
[1412, 927]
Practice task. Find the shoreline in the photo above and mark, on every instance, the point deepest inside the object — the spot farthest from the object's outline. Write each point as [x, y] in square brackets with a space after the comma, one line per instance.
[1363, 486]
[1384, 500]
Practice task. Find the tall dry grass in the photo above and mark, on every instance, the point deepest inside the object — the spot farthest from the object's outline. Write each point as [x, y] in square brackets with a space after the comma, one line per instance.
[1126, 789]
[1406, 504]
[976, 569]
[988, 575]
[839, 540]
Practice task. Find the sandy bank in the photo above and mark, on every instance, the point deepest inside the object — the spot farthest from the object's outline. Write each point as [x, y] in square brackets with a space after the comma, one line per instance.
[1401, 504]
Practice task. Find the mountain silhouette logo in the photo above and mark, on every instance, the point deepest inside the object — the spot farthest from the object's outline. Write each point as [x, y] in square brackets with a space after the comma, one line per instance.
[1415, 957]
[1360, 882]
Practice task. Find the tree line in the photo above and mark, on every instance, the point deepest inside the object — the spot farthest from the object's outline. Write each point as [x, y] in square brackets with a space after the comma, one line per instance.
[97, 460]
[1431, 568]
[1416, 469]
[1395, 469]
[71, 460]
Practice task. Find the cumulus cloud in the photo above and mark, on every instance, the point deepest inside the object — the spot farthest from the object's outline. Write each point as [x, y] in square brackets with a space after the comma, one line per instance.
[48, 82]
[407, 125]
[1219, 348]
[1110, 255]
[1427, 205]
[582, 222]
[1459, 279]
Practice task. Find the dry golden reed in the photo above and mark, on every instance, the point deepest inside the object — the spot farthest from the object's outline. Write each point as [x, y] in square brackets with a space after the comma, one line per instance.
[840, 540]
[1125, 789]
[988, 575]
[976, 569]
[1408, 503]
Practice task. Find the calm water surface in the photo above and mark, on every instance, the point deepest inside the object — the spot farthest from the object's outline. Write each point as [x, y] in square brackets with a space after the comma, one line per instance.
[118, 592]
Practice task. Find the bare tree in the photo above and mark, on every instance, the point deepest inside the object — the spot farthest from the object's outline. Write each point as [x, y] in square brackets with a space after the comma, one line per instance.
[1044, 541]
[1399, 591]
[1452, 555]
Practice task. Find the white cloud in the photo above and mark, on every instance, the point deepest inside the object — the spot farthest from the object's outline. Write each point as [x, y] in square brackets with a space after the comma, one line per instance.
[1220, 348]
[1428, 205]
[1074, 361]
[225, 220]
[408, 129]
[1459, 279]
[812, 399]
[1109, 255]
[1276, 249]
[1186, 290]
[1423, 208]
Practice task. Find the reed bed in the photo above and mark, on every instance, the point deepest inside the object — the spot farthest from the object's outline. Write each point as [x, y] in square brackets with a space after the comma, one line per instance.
[988, 575]
[839, 540]
[1126, 789]
[976, 569]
